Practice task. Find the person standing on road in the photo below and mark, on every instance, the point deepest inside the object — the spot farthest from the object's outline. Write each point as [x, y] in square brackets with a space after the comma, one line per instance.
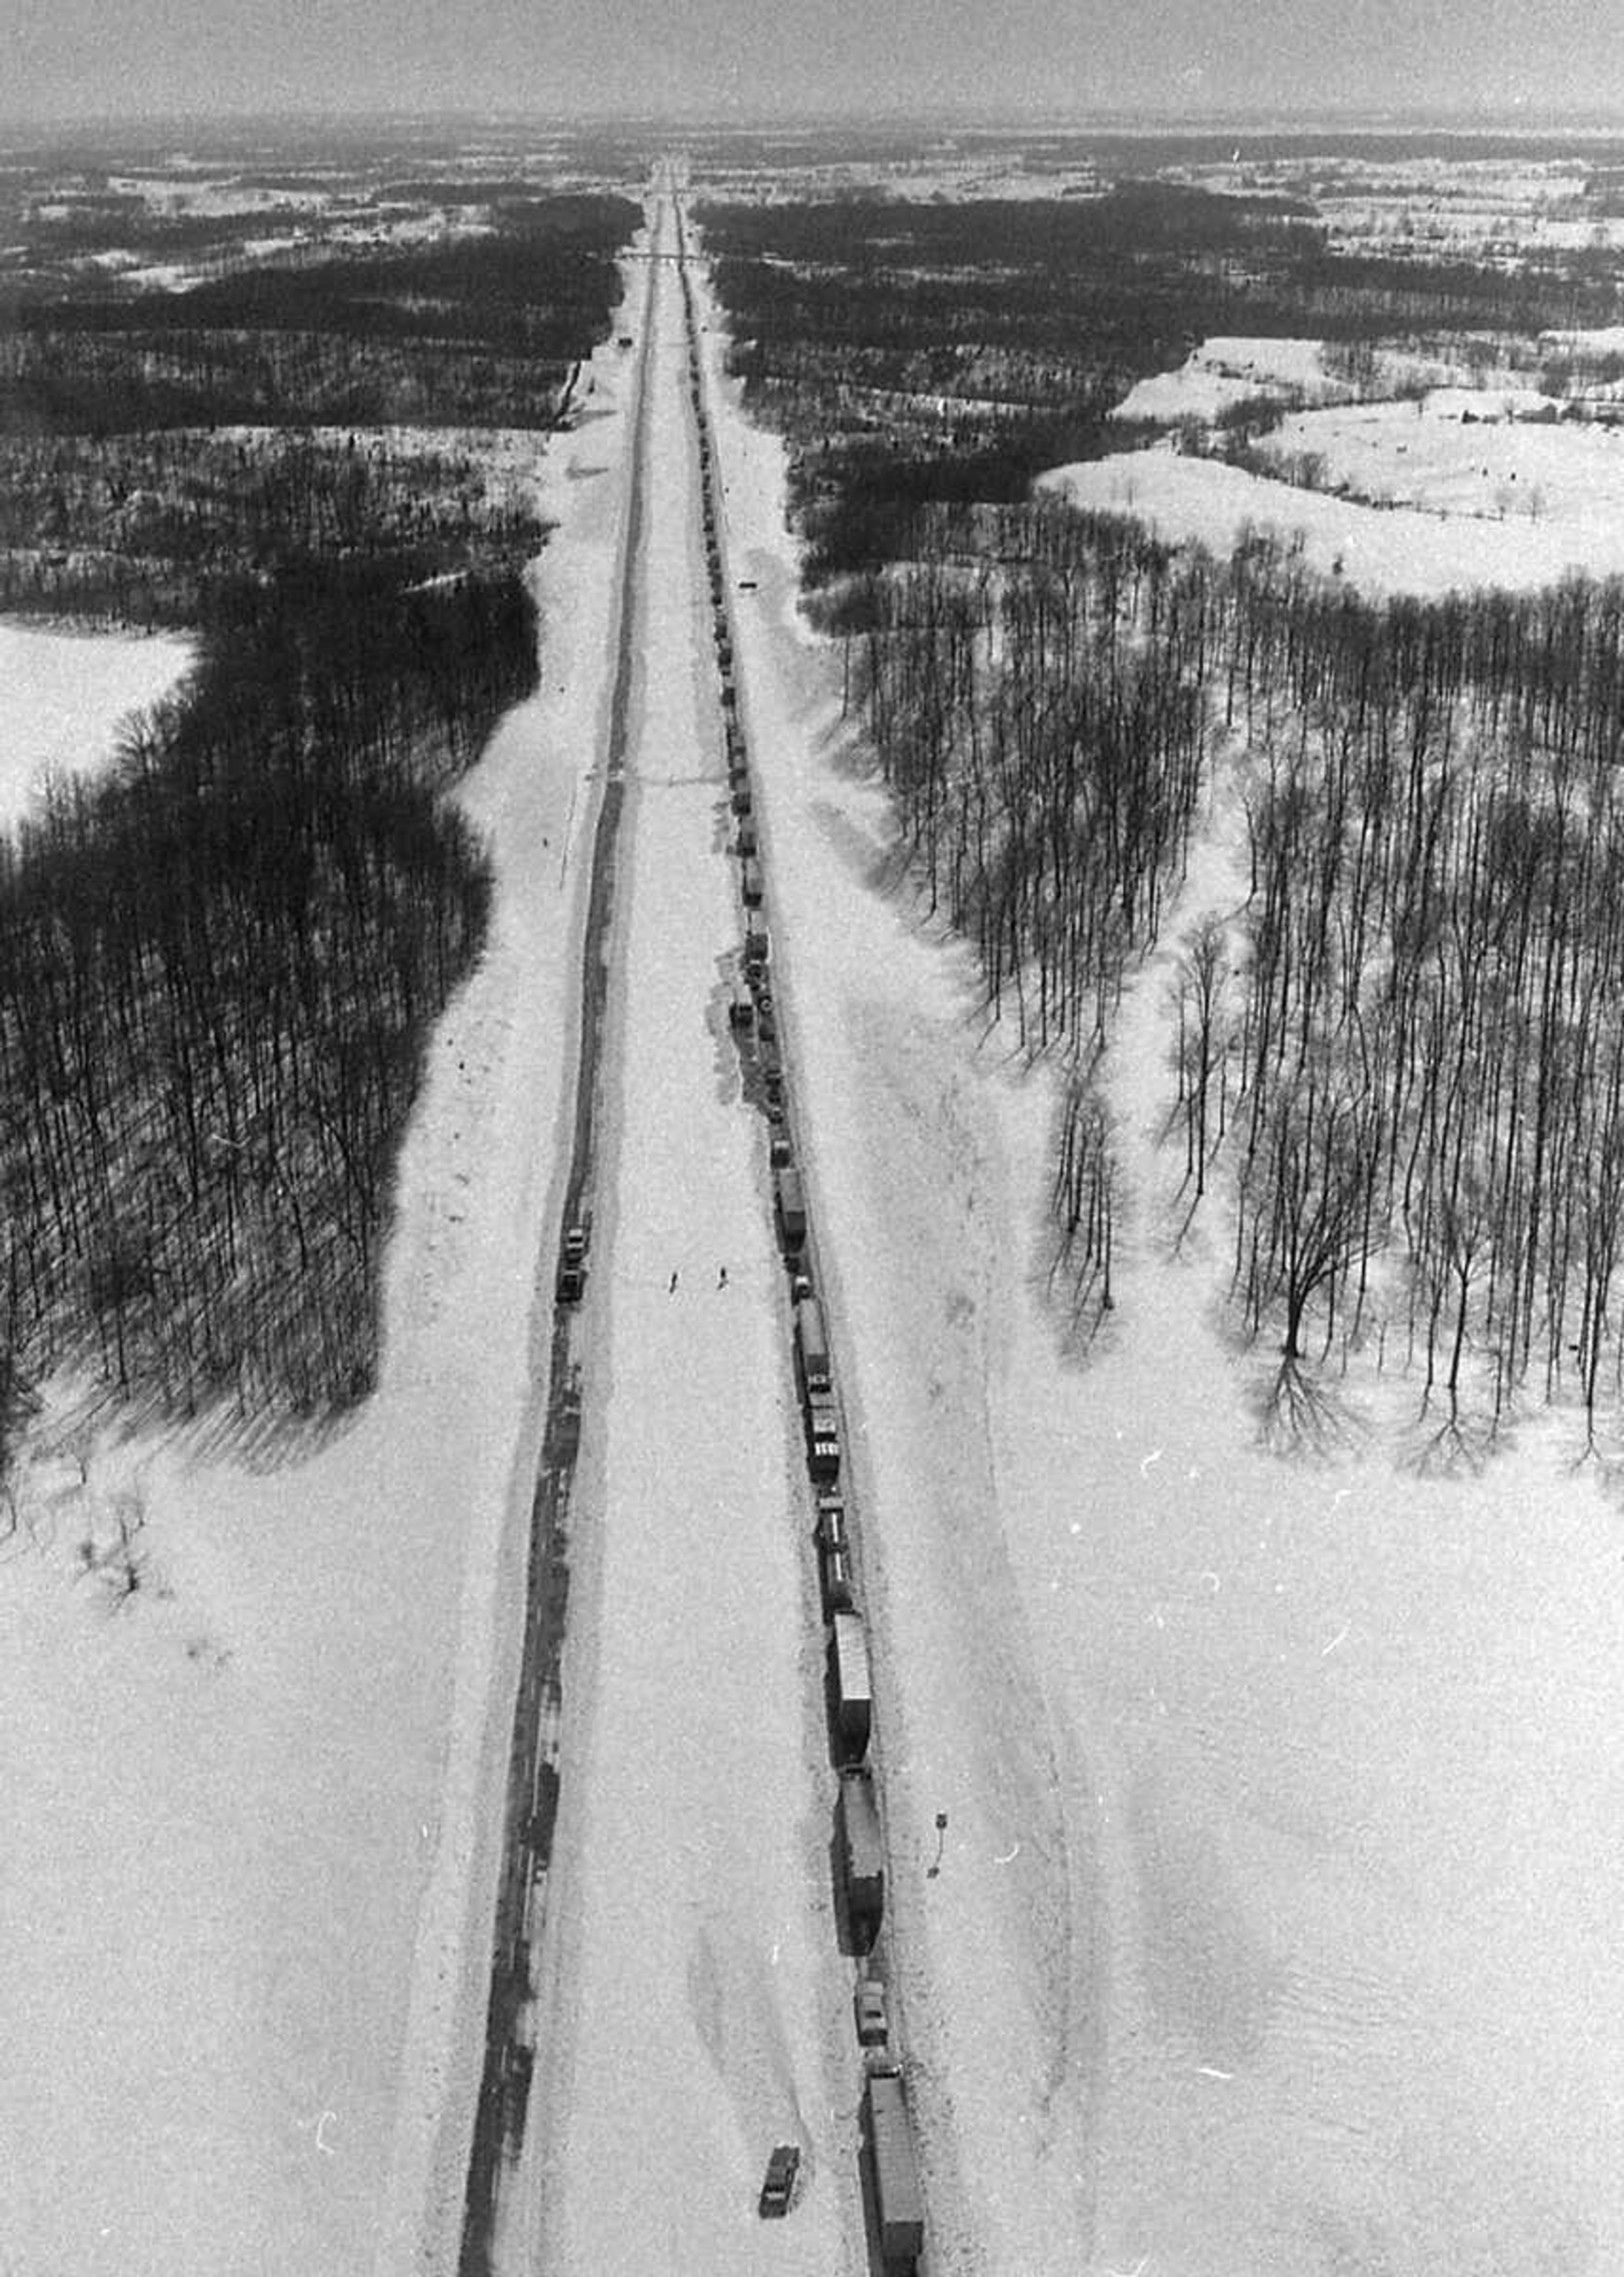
[673, 1290]
[721, 1277]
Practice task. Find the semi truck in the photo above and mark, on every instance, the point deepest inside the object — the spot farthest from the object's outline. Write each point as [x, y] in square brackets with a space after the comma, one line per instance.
[823, 1437]
[812, 1347]
[862, 1857]
[873, 2018]
[573, 1265]
[750, 884]
[851, 1692]
[899, 2201]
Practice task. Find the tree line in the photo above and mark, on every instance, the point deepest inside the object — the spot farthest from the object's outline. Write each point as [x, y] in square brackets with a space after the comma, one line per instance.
[1035, 691]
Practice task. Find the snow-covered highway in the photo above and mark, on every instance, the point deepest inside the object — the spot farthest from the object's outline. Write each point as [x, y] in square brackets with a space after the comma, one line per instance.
[692, 2009]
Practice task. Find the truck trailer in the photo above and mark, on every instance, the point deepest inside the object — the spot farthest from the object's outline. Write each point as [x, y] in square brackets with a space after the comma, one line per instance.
[812, 1347]
[899, 2201]
[851, 1692]
[791, 1207]
[834, 1573]
[834, 1556]
[862, 1857]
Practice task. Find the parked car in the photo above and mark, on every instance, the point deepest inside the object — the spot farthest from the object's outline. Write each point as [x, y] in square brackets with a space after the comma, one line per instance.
[780, 2187]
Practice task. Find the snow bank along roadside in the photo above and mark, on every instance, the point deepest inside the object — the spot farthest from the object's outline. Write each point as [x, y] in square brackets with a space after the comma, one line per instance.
[255, 1793]
[538, 810]
[65, 697]
[1275, 1927]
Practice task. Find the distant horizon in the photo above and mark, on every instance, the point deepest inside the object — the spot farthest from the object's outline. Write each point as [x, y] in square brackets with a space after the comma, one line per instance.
[1256, 120]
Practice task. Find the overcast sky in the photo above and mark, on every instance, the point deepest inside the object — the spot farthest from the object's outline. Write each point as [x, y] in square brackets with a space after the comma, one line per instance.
[723, 58]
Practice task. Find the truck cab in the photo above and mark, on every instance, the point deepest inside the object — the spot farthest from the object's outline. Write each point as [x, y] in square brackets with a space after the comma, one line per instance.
[873, 2024]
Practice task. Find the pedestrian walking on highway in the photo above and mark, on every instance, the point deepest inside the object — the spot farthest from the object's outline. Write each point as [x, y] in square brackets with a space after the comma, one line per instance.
[673, 1290]
[721, 1277]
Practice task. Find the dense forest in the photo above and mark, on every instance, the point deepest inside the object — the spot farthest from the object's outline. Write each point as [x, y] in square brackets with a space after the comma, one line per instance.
[1398, 1076]
[479, 331]
[219, 957]
[138, 528]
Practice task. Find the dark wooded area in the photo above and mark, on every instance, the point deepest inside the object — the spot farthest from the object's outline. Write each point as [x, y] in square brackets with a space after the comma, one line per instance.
[1399, 1067]
[218, 960]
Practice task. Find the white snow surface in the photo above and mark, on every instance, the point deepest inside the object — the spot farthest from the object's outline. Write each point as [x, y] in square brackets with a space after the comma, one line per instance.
[1451, 489]
[1511, 504]
[1588, 339]
[248, 1909]
[65, 696]
[1225, 370]
[1277, 1930]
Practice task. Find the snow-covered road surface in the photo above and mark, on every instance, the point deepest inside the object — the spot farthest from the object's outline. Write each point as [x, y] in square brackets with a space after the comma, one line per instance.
[694, 2009]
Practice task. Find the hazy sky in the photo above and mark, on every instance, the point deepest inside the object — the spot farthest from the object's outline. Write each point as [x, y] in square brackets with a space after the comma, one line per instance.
[744, 57]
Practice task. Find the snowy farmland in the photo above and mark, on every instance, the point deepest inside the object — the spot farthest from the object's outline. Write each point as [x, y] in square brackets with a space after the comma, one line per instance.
[1422, 485]
[1453, 489]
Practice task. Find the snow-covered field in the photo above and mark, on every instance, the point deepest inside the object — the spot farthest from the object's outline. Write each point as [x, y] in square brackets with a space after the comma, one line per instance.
[1275, 1933]
[1437, 206]
[1495, 503]
[247, 1899]
[1442, 486]
[1225, 370]
[64, 698]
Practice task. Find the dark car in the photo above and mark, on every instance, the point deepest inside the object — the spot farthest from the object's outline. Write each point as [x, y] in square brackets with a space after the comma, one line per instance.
[780, 2187]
